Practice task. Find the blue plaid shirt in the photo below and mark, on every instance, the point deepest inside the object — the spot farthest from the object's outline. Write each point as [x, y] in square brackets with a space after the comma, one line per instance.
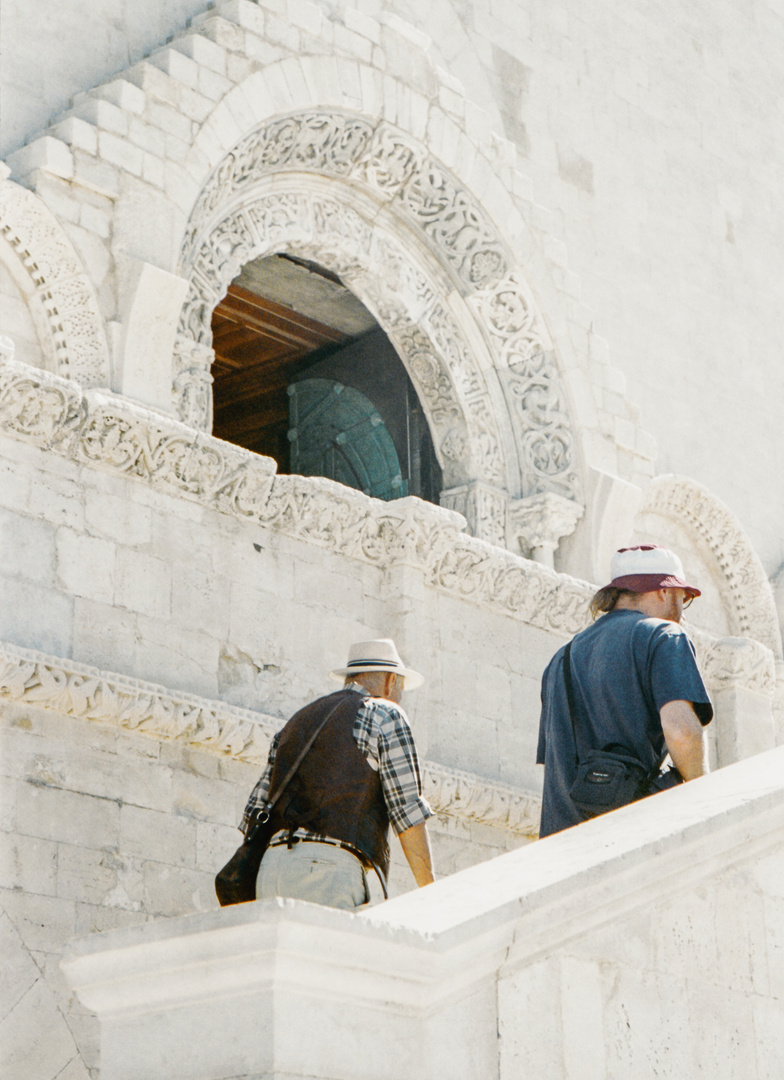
[383, 735]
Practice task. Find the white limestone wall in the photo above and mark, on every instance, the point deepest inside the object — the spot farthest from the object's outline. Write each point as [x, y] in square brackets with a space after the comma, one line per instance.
[105, 826]
[650, 139]
[168, 603]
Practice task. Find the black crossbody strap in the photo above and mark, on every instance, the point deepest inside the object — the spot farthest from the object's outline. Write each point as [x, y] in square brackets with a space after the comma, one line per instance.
[262, 816]
[567, 670]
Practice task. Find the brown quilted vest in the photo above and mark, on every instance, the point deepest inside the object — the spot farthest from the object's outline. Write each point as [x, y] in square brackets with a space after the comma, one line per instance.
[334, 791]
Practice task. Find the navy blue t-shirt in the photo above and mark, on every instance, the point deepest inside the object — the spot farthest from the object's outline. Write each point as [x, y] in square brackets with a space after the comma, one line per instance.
[625, 666]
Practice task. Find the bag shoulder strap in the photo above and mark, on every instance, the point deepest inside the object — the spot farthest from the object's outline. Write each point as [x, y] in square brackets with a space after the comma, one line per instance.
[262, 816]
[567, 671]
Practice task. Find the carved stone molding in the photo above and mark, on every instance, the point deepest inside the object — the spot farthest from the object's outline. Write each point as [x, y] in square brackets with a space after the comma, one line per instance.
[231, 223]
[47, 682]
[124, 438]
[735, 661]
[59, 285]
[538, 522]
[86, 693]
[483, 507]
[463, 795]
[753, 610]
[380, 271]
[116, 435]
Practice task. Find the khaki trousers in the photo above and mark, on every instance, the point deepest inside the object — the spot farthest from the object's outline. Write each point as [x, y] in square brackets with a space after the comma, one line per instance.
[320, 873]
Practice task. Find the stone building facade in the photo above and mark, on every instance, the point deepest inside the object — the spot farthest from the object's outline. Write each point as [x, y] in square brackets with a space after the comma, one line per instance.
[563, 225]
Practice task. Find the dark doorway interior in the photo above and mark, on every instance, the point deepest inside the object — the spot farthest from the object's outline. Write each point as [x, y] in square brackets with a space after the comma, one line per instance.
[285, 321]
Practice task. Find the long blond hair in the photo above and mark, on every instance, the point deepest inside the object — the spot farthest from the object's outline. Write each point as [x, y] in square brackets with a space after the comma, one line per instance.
[606, 599]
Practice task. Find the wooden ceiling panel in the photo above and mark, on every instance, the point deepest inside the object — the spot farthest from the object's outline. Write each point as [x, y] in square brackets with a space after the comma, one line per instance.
[259, 346]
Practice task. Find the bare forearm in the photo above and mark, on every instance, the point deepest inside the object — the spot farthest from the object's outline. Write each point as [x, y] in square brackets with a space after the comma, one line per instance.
[415, 843]
[685, 739]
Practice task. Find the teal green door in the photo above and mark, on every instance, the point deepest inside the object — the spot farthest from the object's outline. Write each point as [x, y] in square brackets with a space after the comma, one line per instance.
[335, 431]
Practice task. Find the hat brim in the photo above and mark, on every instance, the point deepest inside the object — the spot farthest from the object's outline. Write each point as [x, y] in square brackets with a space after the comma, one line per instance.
[413, 678]
[640, 583]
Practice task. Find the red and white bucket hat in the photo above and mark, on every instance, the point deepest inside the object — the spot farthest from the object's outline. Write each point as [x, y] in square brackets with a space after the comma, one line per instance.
[648, 567]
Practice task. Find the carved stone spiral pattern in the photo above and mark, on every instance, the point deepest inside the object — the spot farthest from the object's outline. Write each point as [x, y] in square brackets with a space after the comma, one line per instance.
[351, 147]
[401, 174]
[76, 690]
[62, 288]
[116, 435]
[752, 596]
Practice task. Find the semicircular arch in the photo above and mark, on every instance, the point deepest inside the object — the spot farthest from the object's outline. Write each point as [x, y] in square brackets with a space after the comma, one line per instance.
[369, 203]
[748, 593]
[56, 288]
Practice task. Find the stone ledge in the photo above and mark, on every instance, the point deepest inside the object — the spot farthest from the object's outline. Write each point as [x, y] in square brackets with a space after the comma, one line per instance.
[427, 968]
[77, 690]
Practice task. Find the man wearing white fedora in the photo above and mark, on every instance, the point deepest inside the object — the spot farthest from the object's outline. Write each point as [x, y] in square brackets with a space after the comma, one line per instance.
[360, 775]
[630, 682]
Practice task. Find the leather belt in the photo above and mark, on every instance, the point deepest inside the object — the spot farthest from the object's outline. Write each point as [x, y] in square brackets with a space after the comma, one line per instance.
[288, 842]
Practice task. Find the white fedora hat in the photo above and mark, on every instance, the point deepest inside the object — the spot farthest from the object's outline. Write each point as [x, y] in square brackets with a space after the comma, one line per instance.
[379, 655]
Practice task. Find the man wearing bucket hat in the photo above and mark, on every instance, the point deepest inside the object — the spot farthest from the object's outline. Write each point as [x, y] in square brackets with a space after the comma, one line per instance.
[629, 681]
[360, 774]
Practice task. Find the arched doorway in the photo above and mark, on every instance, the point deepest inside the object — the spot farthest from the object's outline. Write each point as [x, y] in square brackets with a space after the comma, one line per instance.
[285, 336]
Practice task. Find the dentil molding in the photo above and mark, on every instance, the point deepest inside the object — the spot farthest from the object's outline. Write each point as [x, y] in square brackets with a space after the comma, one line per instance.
[57, 285]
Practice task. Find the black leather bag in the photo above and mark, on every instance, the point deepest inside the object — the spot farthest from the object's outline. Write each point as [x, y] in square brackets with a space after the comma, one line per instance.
[235, 883]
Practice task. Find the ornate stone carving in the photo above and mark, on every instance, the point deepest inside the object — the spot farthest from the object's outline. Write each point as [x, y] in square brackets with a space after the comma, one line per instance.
[372, 153]
[463, 795]
[125, 438]
[232, 222]
[544, 436]
[735, 661]
[456, 225]
[320, 142]
[76, 690]
[483, 507]
[509, 312]
[391, 160]
[60, 286]
[753, 607]
[334, 234]
[193, 382]
[538, 522]
[116, 435]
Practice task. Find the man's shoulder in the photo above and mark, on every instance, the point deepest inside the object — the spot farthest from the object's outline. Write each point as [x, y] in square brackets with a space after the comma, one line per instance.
[386, 709]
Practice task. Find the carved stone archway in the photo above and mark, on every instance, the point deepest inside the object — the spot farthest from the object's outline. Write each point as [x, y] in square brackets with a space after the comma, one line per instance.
[752, 606]
[53, 281]
[366, 201]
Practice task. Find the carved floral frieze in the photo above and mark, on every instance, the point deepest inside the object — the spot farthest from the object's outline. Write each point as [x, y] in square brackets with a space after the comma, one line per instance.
[86, 693]
[116, 435]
